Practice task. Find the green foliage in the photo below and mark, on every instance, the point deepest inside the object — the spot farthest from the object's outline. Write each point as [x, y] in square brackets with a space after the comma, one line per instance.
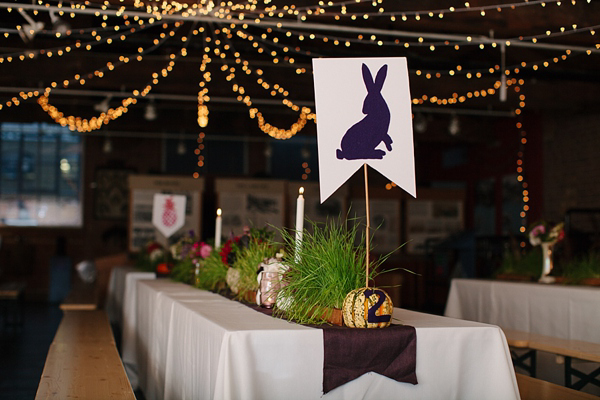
[183, 271]
[528, 264]
[212, 272]
[329, 265]
[581, 268]
[248, 260]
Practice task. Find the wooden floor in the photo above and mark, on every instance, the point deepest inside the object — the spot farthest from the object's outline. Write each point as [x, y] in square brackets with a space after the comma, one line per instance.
[23, 350]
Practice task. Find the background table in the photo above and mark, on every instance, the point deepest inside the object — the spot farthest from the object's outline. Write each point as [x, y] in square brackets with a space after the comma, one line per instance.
[193, 344]
[561, 311]
[566, 312]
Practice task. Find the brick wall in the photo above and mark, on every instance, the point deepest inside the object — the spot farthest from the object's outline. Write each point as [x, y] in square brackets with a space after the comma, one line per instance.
[571, 163]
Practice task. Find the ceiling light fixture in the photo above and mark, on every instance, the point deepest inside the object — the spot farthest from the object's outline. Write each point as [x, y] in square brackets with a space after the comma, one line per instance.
[30, 29]
[103, 106]
[150, 114]
[454, 125]
[58, 25]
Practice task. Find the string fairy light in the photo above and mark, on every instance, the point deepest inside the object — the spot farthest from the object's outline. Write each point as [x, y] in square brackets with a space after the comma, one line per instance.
[76, 123]
[520, 164]
[272, 43]
[278, 133]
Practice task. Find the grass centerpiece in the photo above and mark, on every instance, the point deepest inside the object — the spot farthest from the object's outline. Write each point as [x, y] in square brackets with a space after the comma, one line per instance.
[583, 270]
[327, 266]
[212, 272]
[521, 266]
[244, 259]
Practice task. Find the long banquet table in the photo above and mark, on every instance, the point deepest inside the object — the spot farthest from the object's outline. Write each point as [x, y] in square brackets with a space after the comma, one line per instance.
[194, 344]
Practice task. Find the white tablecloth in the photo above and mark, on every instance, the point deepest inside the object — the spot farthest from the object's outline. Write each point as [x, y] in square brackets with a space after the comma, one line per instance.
[115, 293]
[566, 312]
[193, 344]
[129, 314]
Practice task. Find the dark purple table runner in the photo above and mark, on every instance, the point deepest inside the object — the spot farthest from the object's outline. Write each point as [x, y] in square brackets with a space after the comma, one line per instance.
[352, 352]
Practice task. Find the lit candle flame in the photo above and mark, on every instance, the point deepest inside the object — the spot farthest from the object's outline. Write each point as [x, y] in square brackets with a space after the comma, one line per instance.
[301, 190]
[218, 211]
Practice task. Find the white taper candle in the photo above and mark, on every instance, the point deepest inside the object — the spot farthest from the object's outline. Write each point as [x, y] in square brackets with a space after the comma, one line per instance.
[299, 221]
[218, 229]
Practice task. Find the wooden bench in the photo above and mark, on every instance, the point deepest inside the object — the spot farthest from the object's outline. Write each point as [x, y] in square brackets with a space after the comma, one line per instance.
[11, 295]
[83, 361]
[566, 348]
[83, 296]
[537, 389]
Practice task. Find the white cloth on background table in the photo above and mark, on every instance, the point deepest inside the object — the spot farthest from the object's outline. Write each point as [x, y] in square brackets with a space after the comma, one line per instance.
[561, 311]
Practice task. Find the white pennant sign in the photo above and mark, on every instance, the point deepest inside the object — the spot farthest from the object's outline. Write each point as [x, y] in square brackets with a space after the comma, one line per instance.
[168, 213]
[363, 108]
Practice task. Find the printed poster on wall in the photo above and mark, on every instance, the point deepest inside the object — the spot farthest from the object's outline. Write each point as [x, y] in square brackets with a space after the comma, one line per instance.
[385, 222]
[429, 220]
[251, 203]
[142, 189]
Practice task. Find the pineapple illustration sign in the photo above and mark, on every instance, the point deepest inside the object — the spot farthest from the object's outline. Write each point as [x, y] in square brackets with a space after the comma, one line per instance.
[168, 213]
[364, 116]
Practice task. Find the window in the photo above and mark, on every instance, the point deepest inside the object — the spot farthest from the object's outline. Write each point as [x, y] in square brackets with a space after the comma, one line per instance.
[40, 175]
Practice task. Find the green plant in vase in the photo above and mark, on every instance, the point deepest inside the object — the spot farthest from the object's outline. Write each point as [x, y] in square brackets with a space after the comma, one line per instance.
[183, 271]
[582, 268]
[527, 265]
[212, 272]
[328, 265]
[247, 261]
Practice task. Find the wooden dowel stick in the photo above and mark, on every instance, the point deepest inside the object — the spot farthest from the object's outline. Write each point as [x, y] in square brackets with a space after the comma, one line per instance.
[368, 231]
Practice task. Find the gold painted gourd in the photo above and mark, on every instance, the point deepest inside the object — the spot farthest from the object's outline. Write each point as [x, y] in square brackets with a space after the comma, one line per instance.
[367, 308]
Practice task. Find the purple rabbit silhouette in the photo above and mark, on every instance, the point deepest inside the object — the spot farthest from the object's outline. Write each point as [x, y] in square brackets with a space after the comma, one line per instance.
[361, 139]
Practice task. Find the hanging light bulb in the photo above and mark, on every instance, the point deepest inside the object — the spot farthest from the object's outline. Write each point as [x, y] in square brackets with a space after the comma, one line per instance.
[150, 114]
[103, 106]
[29, 30]
[181, 147]
[454, 126]
[420, 123]
[107, 146]
[58, 25]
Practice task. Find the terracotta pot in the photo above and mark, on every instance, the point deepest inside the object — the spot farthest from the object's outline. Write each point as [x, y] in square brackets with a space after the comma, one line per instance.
[248, 296]
[332, 315]
[591, 282]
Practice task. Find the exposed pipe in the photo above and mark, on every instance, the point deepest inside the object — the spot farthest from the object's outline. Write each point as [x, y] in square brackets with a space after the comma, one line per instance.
[480, 39]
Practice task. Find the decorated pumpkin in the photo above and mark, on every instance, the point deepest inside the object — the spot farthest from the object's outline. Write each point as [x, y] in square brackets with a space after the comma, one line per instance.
[367, 308]
[233, 280]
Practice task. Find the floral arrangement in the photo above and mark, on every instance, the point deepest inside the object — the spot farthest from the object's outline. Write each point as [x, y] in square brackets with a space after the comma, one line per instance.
[543, 232]
[243, 255]
[152, 255]
[188, 253]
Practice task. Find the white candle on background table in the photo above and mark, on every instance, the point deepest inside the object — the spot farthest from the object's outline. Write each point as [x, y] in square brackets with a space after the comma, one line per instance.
[299, 221]
[218, 229]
